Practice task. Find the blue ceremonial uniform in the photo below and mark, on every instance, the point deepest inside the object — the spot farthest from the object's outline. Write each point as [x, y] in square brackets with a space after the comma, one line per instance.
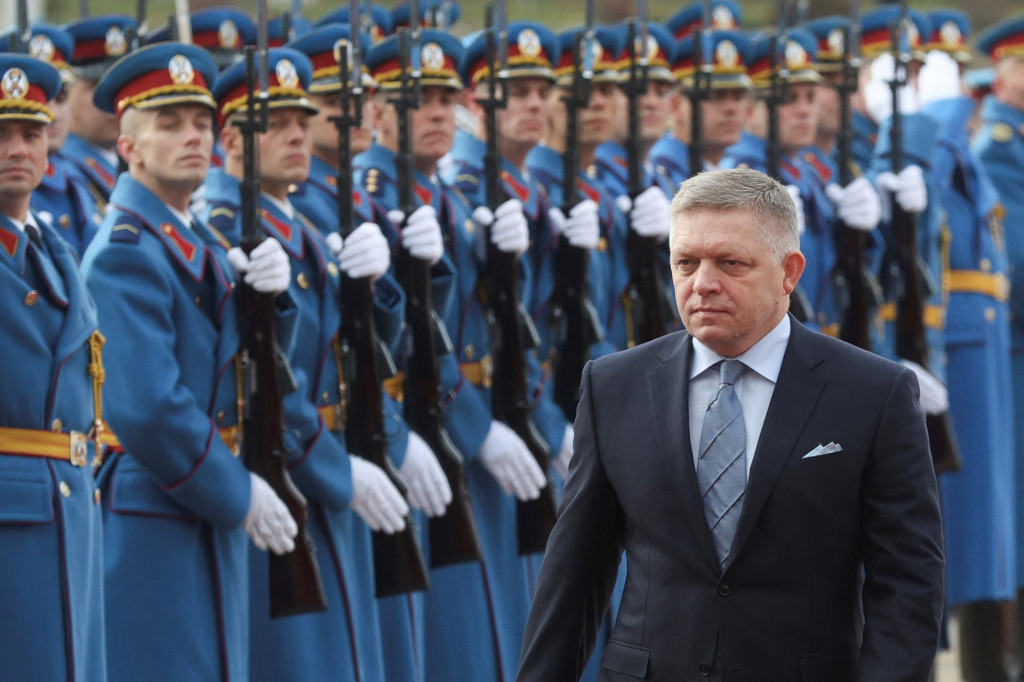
[64, 201]
[978, 501]
[1000, 147]
[51, 580]
[92, 165]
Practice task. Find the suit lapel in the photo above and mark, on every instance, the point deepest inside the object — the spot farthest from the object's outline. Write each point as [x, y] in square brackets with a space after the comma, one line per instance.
[796, 393]
[669, 391]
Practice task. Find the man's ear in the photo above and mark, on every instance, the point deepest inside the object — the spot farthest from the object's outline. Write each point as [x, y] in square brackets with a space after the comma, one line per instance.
[125, 145]
[793, 267]
[231, 140]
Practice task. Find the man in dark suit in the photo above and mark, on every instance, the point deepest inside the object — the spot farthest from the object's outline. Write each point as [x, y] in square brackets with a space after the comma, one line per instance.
[772, 487]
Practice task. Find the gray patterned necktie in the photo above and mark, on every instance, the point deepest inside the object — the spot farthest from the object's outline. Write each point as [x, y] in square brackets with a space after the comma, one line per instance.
[721, 466]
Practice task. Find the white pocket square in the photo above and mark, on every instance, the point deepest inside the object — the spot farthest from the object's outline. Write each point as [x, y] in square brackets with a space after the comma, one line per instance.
[829, 449]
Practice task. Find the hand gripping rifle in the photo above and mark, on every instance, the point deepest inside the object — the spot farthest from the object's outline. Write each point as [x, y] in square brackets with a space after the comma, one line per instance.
[453, 537]
[647, 294]
[700, 91]
[574, 317]
[852, 277]
[778, 95]
[295, 585]
[916, 283]
[514, 334]
[398, 563]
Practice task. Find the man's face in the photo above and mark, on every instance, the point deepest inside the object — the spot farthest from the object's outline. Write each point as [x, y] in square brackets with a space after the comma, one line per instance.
[286, 148]
[94, 125]
[555, 115]
[681, 108]
[730, 289]
[798, 117]
[725, 116]
[522, 121]
[169, 146]
[57, 132]
[654, 111]
[433, 125]
[828, 111]
[596, 121]
[1008, 86]
[620, 114]
[22, 158]
[325, 135]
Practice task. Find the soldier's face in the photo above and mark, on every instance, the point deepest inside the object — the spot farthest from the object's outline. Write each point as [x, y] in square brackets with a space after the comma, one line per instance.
[828, 111]
[654, 111]
[169, 146]
[286, 148]
[434, 125]
[798, 117]
[94, 125]
[620, 115]
[57, 132]
[681, 119]
[597, 120]
[555, 115]
[731, 289]
[522, 122]
[1008, 86]
[725, 116]
[22, 159]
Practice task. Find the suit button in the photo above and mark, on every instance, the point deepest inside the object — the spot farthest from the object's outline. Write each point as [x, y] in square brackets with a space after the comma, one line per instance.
[724, 590]
[704, 668]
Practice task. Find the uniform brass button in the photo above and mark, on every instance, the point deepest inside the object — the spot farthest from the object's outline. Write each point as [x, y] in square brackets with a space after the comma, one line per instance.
[57, 425]
[199, 301]
[985, 264]
[602, 244]
[470, 226]
[31, 297]
[470, 351]
[64, 221]
[220, 417]
[65, 489]
[332, 269]
[96, 496]
[302, 280]
[326, 397]
[990, 314]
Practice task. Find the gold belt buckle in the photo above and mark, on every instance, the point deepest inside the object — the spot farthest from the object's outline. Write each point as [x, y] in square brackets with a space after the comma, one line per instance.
[79, 449]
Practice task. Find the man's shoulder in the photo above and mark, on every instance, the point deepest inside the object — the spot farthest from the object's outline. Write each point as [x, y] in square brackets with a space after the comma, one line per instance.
[846, 360]
[642, 358]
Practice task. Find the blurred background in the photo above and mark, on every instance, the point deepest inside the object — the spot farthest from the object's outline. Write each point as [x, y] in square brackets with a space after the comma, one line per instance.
[557, 14]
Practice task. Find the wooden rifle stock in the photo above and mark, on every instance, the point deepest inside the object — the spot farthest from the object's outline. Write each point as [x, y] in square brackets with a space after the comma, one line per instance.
[295, 585]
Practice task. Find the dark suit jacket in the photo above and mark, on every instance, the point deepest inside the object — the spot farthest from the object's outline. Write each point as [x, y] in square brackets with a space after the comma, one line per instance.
[836, 568]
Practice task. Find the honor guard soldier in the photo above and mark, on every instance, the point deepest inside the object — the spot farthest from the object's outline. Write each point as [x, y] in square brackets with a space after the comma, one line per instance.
[725, 15]
[374, 19]
[285, 28]
[221, 31]
[89, 148]
[62, 198]
[437, 14]
[52, 380]
[1000, 146]
[177, 495]
[978, 501]
[337, 486]
[725, 114]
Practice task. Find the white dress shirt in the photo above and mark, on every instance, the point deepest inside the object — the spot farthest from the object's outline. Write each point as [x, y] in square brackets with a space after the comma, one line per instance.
[754, 388]
[286, 206]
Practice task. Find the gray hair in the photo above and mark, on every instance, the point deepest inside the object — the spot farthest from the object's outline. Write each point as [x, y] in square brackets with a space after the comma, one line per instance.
[743, 189]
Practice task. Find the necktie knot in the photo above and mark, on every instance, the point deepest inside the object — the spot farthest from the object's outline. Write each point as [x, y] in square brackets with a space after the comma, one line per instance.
[730, 371]
[33, 233]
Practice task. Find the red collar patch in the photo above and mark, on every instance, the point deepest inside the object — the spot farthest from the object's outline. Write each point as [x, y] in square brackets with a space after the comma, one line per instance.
[284, 229]
[425, 195]
[819, 166]
[522, 192]
[188, 250]
[99, 170]
[8, 240]
[592, 192]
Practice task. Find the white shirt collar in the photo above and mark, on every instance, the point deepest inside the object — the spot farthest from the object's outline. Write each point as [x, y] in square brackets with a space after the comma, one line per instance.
[30, 220]
[764, 357]
[285, 206]
[183, 218]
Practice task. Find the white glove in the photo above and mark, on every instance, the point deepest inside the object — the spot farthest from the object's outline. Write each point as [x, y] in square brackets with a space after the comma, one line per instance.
[375, 498]
[794, 194]
[648, 213]
[878, 95]
[908, 187]
[268, 521]
[267, 269]
[939, 78]
[364, 254]
[428, 486]
[421, 235]
[583, 228]
[508, 459]
[857, 204]
[561, 463]
[507, 226]
[934, 396]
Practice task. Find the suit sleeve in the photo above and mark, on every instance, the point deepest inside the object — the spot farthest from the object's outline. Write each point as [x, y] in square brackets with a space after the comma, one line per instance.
[580, 565]
[902, 539]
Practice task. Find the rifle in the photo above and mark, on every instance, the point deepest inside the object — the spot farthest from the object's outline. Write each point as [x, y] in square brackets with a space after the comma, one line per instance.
[513, 329]
[397, 560]
[701, 90]
[648, 296]
[574, 317]
[453, 537]
[137, 35]
[911, 342]
[181, 22]
[778, 95]
[22, 34]
[83, 8]
[295, 585]
[861, 293]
